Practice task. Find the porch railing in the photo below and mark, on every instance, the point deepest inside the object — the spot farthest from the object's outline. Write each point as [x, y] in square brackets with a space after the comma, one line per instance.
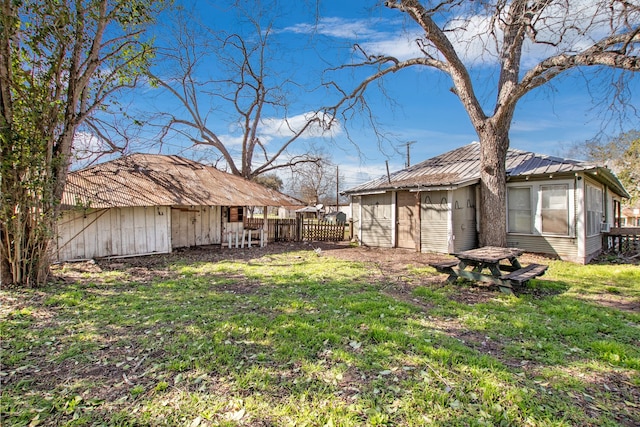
[623, 240]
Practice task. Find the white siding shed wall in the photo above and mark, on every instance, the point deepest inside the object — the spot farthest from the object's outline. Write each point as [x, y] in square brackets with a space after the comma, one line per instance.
[97, 233]
[195, 226]
[376, 221]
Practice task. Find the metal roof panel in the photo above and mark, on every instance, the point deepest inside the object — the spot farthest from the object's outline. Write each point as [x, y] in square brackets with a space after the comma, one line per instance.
[463, 165]
[160, 180]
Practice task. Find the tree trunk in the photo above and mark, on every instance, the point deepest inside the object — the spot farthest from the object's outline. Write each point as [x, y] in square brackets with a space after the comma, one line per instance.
[494, 144]
[26, 219]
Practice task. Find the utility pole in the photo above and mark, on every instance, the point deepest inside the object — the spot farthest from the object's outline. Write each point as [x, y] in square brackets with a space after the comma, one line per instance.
[408, 144]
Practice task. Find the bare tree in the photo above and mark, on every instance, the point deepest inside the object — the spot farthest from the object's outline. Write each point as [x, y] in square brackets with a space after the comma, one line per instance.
[315, 182]
[59, 62]
[564, 34]
[241, 81]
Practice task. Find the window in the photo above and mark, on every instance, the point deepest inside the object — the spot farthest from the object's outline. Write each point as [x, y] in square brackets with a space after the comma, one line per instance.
[541, 208]
[594, 210]
[519, 202]
[236, 214]
[555, 209]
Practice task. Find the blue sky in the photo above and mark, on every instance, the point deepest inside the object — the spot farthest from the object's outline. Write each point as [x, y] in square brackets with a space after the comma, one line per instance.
[416, 105]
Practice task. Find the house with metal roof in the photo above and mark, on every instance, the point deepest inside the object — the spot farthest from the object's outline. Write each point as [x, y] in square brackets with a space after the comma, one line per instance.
[145, 204]
[555, 206]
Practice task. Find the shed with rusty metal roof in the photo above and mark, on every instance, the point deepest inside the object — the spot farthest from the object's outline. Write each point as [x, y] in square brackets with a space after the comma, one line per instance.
[150, 203]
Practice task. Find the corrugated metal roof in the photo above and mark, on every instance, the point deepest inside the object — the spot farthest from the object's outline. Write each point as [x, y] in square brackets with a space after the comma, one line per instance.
[462, 166]
[159, 180]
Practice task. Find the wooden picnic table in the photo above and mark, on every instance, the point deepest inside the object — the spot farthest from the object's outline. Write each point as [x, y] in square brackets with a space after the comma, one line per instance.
[484, 265]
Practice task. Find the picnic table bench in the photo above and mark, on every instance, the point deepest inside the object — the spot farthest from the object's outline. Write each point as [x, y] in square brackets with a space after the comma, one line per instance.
[483, 265]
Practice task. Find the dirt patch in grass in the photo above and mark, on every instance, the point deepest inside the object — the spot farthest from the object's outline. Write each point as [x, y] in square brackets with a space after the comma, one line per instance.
[615, 302]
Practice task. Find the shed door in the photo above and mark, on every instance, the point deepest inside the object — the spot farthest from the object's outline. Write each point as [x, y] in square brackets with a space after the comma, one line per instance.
[435, 217]
[195, 226]
[183, 226]
[375, 226]
[408, 220]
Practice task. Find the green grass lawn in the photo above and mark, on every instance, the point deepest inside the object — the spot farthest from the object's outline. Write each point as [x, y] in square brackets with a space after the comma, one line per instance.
[301, 339]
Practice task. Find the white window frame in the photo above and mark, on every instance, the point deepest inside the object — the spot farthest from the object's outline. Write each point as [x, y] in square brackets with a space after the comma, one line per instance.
[531, 209]
[536, 206]
[593, 217]
[550, 186]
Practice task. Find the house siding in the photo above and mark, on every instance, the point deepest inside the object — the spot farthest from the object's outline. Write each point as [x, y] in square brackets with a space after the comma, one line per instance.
[97, 233]
[448, 189]
[434, 226]
[376, 220]
[593, 243]
[593, 246]
[355, 211]
[563, 247]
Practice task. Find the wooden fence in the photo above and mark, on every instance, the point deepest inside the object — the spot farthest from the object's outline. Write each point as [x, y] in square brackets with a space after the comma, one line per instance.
[297, 230]
[323, 231]
[623, 239]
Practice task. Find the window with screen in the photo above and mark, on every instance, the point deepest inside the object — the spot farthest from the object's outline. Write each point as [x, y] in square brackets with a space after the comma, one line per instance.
[519, 202]
[594, 210]
[555, 209]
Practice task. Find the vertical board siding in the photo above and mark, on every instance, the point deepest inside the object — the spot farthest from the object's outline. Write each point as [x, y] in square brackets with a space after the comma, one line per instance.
[115, 243]
[150, 223]
[215, 224]
[434, 224]
[376, 220]
[195, 226]
[99, 233]
[139, 230]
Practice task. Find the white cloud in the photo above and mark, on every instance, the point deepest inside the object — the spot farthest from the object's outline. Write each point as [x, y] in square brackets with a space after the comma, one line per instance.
[231, 140]
[272, 128]
[86, 149]
[342, 28]
[400, 46]
[472, 35]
